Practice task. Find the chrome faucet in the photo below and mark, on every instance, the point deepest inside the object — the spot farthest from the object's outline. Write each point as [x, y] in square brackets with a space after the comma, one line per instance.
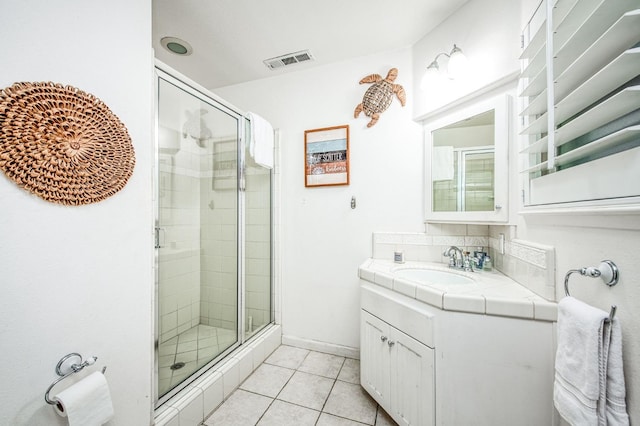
[456, 257]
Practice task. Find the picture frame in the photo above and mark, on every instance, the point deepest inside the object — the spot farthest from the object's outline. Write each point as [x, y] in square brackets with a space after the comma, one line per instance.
[326, 156]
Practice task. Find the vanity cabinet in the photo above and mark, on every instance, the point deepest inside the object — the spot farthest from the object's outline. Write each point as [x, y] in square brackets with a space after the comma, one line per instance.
[396, 369]
[451, 367]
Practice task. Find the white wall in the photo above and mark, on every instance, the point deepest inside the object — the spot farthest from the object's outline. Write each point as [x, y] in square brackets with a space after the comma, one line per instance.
[323, 239]
[488, 32]
[581, 242]
[79, 278]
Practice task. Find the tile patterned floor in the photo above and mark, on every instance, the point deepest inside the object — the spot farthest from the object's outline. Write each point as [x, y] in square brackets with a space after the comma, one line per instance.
[194, 347]
[298, 387]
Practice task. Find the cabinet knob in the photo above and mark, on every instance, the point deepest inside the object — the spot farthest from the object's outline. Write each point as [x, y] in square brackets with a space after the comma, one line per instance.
[391, 343]
[383, 338]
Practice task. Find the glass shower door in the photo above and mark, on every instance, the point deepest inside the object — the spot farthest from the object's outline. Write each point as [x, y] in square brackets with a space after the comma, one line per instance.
[258, 304]
[196, 233]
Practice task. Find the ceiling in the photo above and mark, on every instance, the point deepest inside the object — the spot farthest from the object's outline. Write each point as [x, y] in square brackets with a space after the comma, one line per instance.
[231, 38]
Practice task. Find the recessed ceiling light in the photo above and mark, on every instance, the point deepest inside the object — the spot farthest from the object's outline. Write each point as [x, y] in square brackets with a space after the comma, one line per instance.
[176, 46]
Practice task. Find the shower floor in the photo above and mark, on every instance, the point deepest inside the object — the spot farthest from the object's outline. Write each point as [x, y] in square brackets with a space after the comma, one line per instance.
[181, 356]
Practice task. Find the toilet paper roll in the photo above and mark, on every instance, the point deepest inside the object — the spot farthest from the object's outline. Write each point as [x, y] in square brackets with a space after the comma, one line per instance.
[86, 403]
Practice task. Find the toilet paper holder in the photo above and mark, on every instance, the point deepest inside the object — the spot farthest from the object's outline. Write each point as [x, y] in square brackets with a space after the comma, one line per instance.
[69, 364]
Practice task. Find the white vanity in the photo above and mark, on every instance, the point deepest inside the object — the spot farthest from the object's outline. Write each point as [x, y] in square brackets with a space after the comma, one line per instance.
[476, 349]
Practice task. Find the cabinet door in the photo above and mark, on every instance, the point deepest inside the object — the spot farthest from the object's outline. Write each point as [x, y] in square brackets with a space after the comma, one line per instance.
[467, 155]
[412, 381]
[374, 357]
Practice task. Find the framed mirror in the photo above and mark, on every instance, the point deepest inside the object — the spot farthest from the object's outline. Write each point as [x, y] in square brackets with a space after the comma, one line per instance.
[466, 164]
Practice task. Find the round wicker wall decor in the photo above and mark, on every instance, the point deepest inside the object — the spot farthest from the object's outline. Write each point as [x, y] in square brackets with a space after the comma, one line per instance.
[63, 144]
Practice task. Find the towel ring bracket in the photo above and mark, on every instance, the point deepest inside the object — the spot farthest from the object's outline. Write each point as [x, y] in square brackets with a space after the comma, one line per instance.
[607, 271]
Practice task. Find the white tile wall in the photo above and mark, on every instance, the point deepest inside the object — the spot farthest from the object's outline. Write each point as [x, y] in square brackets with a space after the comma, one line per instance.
[169, 416]
[258, 248]
[179, 259]
[212, 390]
[429, 246]
[532, 265]
[219, 261]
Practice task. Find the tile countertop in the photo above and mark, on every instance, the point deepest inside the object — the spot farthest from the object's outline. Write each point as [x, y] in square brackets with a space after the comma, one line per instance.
[492, 293]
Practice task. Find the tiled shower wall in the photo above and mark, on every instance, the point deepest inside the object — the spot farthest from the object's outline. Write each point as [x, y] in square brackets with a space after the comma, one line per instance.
[219, 301]
[258, 247]
[478, 186]
[179, 255]
[531, 265]
[219, 206]
[479, 182]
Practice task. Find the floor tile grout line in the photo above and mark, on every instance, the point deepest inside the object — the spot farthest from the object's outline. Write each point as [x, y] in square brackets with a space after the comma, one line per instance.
[332, 386]
[325, 401]
[294, 371]
[318, 375]
[273, 399]
[345, 418]
[265, 411]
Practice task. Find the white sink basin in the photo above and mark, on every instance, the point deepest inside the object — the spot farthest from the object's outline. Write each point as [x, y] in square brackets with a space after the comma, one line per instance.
[433, 276]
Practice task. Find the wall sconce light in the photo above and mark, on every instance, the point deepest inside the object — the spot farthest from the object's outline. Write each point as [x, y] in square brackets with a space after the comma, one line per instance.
[456, 67]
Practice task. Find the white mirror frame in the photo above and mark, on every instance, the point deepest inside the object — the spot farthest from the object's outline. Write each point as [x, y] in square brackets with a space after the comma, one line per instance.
[502, 106]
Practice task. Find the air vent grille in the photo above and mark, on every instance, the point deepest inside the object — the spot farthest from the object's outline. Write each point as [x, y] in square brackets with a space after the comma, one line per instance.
[288, 59]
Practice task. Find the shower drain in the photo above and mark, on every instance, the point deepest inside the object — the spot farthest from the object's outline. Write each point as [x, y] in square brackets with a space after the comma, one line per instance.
[177, 366]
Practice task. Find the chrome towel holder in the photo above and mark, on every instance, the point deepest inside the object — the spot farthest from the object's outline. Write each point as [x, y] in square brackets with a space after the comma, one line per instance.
[69, 364]
[607, 270]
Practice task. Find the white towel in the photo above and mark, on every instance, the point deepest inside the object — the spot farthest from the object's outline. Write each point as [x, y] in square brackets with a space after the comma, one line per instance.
[442, 163]
[616, 412]
[261, 142]
[584, 367]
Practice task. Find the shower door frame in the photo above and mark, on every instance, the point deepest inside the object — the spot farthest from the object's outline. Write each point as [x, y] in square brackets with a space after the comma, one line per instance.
[162, 71]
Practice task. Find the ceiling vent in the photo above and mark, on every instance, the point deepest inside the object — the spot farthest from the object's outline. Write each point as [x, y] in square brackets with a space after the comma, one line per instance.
[288, 59]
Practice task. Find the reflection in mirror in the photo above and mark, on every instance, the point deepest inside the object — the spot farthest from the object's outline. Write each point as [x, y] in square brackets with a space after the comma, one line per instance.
[463, 165]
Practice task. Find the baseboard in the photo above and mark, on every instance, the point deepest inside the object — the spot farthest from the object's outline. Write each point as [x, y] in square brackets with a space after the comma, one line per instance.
[315, 345]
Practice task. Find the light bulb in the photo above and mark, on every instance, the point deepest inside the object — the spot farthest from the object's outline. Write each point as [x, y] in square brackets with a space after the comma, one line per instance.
[430, 76]
[458, 63]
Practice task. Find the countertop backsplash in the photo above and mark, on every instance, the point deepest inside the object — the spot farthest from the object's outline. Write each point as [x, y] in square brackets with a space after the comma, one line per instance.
[530, 264]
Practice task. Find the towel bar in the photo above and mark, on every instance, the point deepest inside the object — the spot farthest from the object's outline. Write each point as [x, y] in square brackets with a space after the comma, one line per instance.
[66, 367]
[607, 270]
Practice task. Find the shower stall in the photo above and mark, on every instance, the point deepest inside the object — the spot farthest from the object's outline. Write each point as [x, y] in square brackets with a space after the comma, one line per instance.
[212, 233]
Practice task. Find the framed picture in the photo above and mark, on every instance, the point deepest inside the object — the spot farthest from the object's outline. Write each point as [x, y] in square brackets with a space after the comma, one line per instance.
[326, 156]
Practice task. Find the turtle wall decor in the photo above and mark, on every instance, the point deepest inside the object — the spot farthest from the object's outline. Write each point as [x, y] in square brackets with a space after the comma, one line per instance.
[378, 97]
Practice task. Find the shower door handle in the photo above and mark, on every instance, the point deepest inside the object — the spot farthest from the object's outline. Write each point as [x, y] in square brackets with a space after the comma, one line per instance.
[157, 238]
